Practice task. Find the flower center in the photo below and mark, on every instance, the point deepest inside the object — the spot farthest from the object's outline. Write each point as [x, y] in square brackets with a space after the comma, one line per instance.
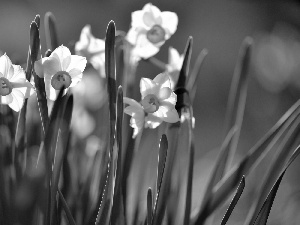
[60, 79]
[5, 86]
[150, 103]
[156, 34]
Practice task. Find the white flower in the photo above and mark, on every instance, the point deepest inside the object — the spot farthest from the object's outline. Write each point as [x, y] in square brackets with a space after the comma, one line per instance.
[60, 69]
[150, 28]
[174, 66]
[92, 48]
[157, 104]
[14, 87]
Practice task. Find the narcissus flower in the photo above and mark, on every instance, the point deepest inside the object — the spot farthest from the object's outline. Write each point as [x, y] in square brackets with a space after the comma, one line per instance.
[60, 69]
[92, 48]
[14, 87]
[150, 28]
[174, 66]
[157, 104]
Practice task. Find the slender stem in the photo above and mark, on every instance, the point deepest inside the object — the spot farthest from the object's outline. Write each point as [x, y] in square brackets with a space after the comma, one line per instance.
[156, 62]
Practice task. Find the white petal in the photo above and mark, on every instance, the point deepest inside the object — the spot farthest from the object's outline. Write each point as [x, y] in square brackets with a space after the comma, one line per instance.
[84, 39]
[38, 67]
[132, 102]
[169, 23]
[164, 93]
[18, 75]
[60, 53]
[152, 121]
[5, 65]
[77, 62]
[162, 80]
[137, 120]
[18, 100]
[6, 99]
[148, 86]
[76, 76]
[172, 99]
[25, 87]
[152, 15]
[144, 48]
[51, 66]
[50, 91]
[137, 19]
[167, 114]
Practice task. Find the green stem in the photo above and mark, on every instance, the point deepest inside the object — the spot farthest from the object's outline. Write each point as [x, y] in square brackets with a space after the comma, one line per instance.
[156, 62]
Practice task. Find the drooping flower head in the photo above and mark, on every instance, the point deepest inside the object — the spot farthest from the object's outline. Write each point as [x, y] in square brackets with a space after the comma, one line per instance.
[60, 69]
[14, 87]
[92, 48]
[150, 28]
[157, 104]
[174, 66]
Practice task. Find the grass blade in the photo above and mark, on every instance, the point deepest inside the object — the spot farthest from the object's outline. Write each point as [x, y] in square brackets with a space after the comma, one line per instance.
[118, 213]
[66, 209]
[223, 189]
[284, 149]
[235, 108]
[264, 212]
[104, 213]
[234, 201]
[162, 186]
[50, 31]
[193, 77]
[183, 74]
[188, 199]
[149, 206]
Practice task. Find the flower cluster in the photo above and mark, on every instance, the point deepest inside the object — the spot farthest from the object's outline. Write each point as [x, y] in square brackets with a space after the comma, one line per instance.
[157, 104]
[150, 28]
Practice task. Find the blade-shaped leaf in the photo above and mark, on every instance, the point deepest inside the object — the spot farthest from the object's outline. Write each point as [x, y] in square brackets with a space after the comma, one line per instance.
[234, 201]
[149, 206]
[264, 212]
[235, 107]
[225, 187]
[284, 149]
[50, 31]
[188, 199]
[160, 203]
[66, 209]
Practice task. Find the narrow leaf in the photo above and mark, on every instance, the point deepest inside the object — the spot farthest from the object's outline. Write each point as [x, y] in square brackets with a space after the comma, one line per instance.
[66, 209]
[263, 215]
[160, 203]
[225, 187]
[188, 198]
[149, 206]
[50, 31]
[234, 201]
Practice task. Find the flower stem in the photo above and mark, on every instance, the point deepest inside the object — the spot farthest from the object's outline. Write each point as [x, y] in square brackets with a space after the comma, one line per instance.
[156, 62]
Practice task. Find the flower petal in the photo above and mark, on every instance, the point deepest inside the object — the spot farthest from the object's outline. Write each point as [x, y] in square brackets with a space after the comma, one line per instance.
[18, 100]
[77, 62]
[50, 91]
[6, 99]
[51, 66]
[65, 63]
[137, 19]
[169, 23]
[38, 67]
[131, 102]
[144, 48]
[152, 121]
[25, 87]
[167, 114]
[5, 65]
[60, 53]
[164, 93]
[18, 74]
[152, 15]
[76, 76]
[148, 86]
[137, 120]
[172, 99]
[162, 80]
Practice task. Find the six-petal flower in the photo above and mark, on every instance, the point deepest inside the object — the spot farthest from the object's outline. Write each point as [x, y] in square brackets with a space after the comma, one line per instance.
[14, 87]
[60, 69]
[157, 104]
[92, 48]
[150, 28]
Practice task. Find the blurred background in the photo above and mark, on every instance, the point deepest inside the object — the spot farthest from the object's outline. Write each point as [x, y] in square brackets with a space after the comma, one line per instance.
[220, 27]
